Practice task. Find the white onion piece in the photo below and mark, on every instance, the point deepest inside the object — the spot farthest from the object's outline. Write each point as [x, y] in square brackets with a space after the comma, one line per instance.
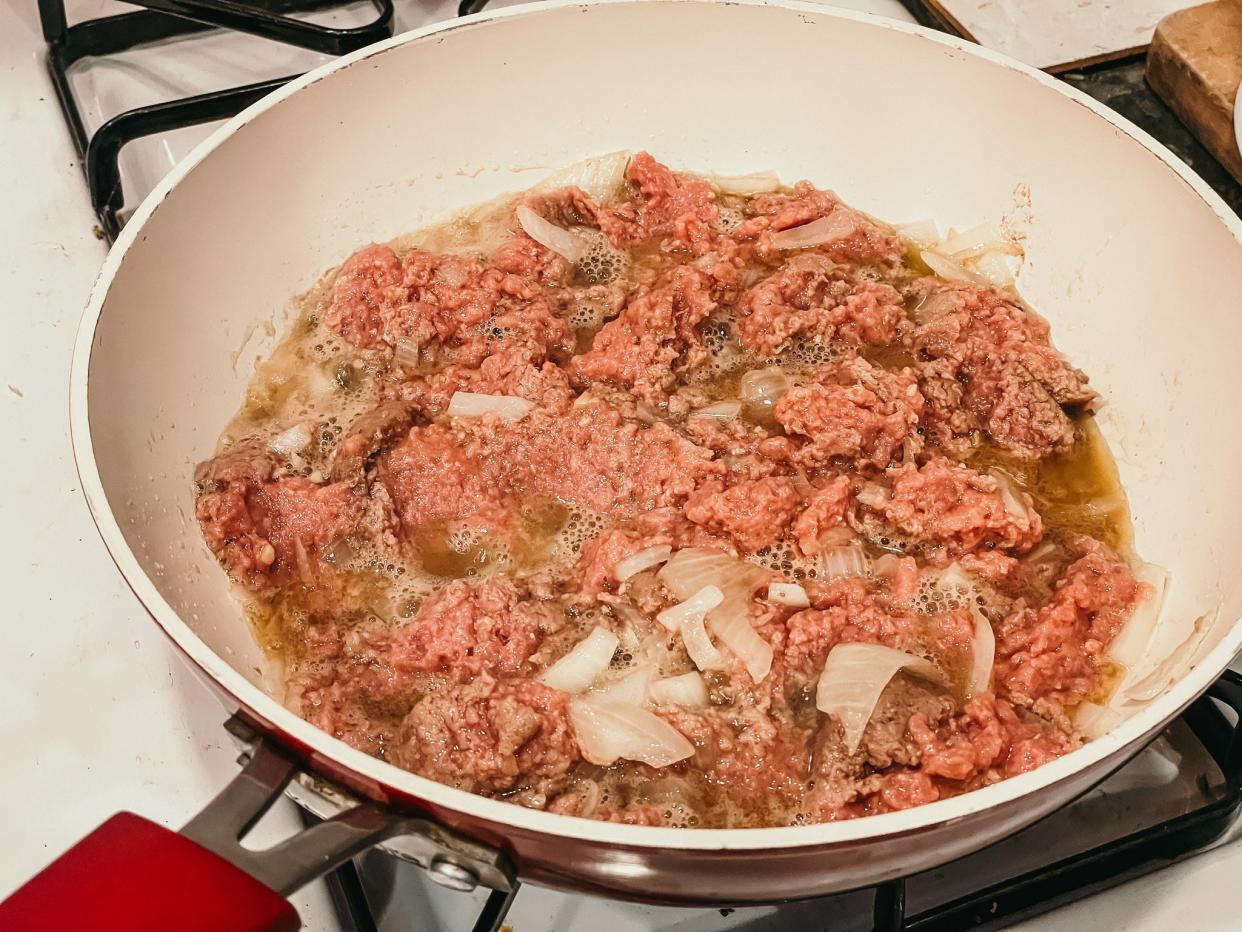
[607, 731]
[873, 495]
[994, 269]
[294, 440]
[630, 688]
[643, 560]
[1011, 495]
[886, 565]
[841, 224]
[746, 185]
[923, 233]
[970, 243]
[945, 267]
[474, 404]
[1153, 683]
[406, 352]
[599, 177]
[692, 568]
[854, 678]
[578, 669]
[1094, 720]
[1130, 646]
[719, 411]
[983, 654]
[763, 386]
[688, 691]
[840, 562]
[731, 625]
[696, 606]
[564, 243]
[788, 594]
[699, 646]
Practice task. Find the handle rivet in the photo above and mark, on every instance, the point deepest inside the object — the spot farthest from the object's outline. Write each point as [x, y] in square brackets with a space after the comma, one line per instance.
[454, 876]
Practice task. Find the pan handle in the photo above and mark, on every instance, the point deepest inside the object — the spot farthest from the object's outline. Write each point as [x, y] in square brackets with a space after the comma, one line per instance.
[132, 875]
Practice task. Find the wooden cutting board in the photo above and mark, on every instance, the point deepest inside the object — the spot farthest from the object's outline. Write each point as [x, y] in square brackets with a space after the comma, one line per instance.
[1057, 35]
[1195, 64]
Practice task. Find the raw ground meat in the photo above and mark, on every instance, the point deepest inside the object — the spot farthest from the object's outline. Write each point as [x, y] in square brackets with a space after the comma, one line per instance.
[853, 413]
[1050, 658]
[1015, 383]
[752, 513]
[591, 457]
[489, 736]
[653, 339]
[945, 505]
[418, 573]
[268, 532]
[811, 296]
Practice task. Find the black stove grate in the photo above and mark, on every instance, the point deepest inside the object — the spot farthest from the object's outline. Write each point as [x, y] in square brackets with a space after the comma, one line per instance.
[172, 19]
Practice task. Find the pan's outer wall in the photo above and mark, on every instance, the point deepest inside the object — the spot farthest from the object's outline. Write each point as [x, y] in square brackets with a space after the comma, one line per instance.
[1134, 263]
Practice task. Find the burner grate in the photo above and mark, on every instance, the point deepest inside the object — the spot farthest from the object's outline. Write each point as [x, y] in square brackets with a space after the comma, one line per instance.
[172, 19]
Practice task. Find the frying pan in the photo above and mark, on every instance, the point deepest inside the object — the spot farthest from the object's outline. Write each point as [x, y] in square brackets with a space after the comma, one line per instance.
[1135, 262]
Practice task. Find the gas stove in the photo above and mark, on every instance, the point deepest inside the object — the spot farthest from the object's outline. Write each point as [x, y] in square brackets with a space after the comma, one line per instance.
[138, 88]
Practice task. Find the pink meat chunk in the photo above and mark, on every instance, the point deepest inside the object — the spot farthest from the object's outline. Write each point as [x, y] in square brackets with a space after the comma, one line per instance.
[1015, 381]
[950, 507]
[591, 457]
[489, 736]
[453, 304]
[1051, 657]
[753, 513]
[854, 412]
[468, 628]
[824, 513]
[667, 201]
[509, 370]
[654, 338]
[269, 531]
[810, 296]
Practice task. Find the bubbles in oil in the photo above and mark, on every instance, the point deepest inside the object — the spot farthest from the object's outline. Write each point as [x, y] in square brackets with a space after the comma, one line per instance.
[785, 558]
[730, 219]
[603, 263]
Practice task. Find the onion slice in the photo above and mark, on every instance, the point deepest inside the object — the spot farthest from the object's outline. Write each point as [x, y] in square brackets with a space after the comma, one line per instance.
[840, 562]
[564, 243]
[699, 646]
[982, 654]
[599, 177]
[607, 731]
[731, 625]
[746, 185]
[688, 691]
[696, 606]
[474, 404]
[854, 678]
[691, 569]
[841, 224]
[289, 442]
[788, 594]
[578, 669]
[719, 411]
[1130, 646]
[630, 688]
[642, 560]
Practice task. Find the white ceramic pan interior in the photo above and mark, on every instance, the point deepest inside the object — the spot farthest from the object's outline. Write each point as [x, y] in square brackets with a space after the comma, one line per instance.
[1136, 264]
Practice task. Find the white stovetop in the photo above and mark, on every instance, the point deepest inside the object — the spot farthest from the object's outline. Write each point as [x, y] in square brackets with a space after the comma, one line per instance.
[99, 713]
